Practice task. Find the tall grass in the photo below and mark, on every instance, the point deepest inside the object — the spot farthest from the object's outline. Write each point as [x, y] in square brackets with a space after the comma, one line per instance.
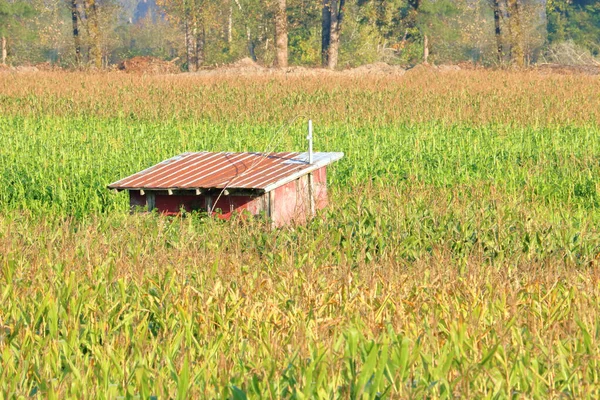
[458, 257]
[474, 97]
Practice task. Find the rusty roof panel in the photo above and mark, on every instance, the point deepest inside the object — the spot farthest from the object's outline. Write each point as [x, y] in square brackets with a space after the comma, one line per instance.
[206, 170]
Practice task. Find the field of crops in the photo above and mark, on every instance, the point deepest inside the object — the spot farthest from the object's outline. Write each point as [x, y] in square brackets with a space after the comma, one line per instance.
[459, 255]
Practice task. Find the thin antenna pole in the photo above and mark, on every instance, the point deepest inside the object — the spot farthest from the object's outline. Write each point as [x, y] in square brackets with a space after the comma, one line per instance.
[311, 196]
[310, 141]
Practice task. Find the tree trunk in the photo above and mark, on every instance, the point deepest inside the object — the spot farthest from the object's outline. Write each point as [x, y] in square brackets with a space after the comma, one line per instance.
[200, 45]
[230, 26]
[194, 44]
[186, 39]
[413, 13]
[251, 44]
[337, 15]
[76, 38]
[4, 52]
[425, 49]
[325, 32]
[516, 33]
[94, 29]
[498, 29]
[190, 47]
[281, 35]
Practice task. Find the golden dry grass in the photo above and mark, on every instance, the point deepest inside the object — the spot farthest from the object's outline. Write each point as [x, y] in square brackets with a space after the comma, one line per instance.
[457, 97]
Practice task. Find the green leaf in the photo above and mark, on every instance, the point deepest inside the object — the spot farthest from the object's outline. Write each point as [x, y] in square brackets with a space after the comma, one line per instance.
[183, 382]
[238, 394]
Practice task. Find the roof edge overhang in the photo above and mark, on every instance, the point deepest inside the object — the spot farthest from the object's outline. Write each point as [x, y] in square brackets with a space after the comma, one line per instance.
[196, 191]
[111, 186]
[292, 177]
[313, 167]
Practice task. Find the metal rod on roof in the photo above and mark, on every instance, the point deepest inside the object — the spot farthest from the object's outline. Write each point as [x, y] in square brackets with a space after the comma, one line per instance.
[310, 141]
[311, 197]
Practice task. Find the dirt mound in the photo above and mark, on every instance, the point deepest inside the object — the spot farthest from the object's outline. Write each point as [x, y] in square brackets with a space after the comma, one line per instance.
[378, 68]
[305, 71]
[244, 67]
[148, 65]
[48, 66]
[26, 68]
[248, 67]
[448, 68]
[422, 68]
[470, 65]
[245, 63]
[568, 69]
[430, 68]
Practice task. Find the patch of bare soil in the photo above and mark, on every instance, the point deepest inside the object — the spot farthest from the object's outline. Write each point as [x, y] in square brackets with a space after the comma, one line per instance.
[247, 67]
[47, 66]
[378, 68]
[470, 65]
[148, 65]
[305, 71]
[430, 68]
[422, 68]
[567, 69]
[26, 68]
[448, 68]
[246, 63]
[244, 67]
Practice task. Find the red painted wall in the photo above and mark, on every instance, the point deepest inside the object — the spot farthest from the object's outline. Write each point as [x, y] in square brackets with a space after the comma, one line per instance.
[320, 188]
[291, 202]
[225, 206]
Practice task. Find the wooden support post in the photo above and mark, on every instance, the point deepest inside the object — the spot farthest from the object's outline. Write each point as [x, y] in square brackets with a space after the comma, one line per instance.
[311, 194]
[209, 205]
[3, 46]
[271, 207]
[150, 201]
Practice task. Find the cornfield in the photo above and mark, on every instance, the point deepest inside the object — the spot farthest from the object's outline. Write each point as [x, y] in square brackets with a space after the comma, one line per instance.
[458, 256]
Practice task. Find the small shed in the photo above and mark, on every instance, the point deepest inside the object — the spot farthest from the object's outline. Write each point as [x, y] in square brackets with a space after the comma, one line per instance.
[286, 187]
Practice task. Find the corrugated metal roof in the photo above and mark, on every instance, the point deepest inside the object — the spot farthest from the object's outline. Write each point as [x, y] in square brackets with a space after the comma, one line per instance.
[206, 170]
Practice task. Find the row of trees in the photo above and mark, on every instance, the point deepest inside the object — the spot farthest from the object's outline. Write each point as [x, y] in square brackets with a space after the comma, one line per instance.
[303, 32]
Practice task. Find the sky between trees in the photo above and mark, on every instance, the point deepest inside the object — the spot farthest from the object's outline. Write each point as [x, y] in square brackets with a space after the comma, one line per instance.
[328, 33]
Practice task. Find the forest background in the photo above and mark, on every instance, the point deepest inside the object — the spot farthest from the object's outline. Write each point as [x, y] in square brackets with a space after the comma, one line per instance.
[197, 34]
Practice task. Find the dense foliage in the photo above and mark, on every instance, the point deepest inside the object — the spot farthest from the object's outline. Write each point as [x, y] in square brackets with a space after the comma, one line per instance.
[577, 20]
[393, 31]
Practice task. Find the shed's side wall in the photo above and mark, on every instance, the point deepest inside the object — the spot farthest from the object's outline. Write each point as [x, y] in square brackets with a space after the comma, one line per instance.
[320, 188]
[291, 202]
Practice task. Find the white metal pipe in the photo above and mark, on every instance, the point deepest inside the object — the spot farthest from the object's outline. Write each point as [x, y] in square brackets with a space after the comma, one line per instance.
[311, 198]
[310, 141]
